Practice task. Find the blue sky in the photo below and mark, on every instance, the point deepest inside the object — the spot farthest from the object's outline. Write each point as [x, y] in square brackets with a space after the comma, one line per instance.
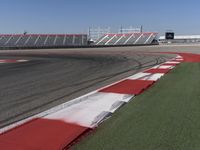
[75, 16]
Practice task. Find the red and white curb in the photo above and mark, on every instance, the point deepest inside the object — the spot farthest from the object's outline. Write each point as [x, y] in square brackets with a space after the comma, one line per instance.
[60, 126]
[4, 61]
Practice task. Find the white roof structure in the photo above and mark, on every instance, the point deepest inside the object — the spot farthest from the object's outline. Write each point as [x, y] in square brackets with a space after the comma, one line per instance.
[182, 37]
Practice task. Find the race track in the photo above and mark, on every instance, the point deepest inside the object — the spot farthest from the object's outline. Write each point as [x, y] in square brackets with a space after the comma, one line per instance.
[52, 77]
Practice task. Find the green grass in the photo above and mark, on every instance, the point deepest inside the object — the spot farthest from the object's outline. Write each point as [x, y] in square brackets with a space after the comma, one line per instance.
[166, 117]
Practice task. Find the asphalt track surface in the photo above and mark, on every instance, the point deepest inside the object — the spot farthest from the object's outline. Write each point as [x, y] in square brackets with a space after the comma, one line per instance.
[52, 77]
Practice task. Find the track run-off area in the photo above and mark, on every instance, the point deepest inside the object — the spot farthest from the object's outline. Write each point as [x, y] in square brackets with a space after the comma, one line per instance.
[47, 78]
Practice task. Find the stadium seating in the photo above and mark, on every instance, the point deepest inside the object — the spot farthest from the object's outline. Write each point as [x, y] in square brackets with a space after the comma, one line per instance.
[126, 39]
[43, 40]
[67, 40]
[59, 40]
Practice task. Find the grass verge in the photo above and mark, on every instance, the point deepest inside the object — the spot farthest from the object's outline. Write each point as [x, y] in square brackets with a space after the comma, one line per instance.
[166, 117]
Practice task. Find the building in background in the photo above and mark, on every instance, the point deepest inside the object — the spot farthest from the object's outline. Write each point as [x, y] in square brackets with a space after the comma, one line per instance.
[170, 37]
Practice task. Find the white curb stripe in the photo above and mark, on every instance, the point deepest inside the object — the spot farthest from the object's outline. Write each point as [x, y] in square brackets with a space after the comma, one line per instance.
[178, 59]
[22, 60]
[179, 56]
[173, 62]
[153, 77]
[139, 75]
[163, 67]
[88, 111]
[147, 76]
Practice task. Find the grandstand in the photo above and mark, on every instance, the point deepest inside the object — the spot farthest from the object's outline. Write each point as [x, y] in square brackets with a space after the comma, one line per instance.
[127, 39]
[42, 40]
[74, 40]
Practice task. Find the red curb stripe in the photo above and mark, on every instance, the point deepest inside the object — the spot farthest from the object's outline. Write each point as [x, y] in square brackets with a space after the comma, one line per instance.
[135, 87]
[12, 60]
[187, 57]
[8, 61]
[41, 134]
[157, 71]
[190, 57]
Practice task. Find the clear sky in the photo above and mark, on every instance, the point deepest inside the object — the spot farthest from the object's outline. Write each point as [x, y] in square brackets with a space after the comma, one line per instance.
[75, 16]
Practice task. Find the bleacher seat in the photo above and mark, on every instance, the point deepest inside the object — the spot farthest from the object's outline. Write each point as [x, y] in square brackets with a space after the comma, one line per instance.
[43, 40]
[50, 41]
[40, 41]
[21, 40]
[126, 39]
[122, 40]
[4, 39]
[12, 40]
[31, 41]
[59, 41]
